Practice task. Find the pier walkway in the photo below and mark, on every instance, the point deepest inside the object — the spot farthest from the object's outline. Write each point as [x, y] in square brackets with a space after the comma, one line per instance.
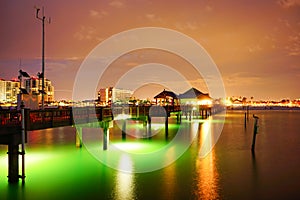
[13, 128]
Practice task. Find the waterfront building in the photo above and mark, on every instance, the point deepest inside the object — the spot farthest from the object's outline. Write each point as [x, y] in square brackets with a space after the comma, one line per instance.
[9, 91]
[33, 86]
[195, 97]
[120, 96]
[166, 98]
[109, 95]
[105, 96]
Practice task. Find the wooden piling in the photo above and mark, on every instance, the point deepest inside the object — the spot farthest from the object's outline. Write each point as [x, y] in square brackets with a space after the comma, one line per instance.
[166, 126]
[23, 139]
[124, 129]
[13, 163]
[254, 132]
[149, 127]
[105, 135]
[247, 112]
[178, 118]
[78, 137]
[245, 120]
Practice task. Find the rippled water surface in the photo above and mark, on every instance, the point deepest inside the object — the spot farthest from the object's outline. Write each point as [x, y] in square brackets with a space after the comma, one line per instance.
[56, 169]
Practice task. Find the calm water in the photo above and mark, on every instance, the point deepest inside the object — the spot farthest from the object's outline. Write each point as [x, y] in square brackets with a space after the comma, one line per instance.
[56, 169]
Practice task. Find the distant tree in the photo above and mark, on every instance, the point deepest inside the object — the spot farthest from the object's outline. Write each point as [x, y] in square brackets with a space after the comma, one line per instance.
[244, 100]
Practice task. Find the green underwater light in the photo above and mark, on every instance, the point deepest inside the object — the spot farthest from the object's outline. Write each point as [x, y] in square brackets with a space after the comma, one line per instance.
[138, 147]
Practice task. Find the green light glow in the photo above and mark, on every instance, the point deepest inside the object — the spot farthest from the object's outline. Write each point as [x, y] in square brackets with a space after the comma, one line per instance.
[138, 147]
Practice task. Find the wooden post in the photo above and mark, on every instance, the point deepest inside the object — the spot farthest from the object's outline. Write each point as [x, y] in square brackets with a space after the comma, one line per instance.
[149, 127]
[144, 119]
[177, 118]
[71, 122]
[78, 137]
[13, 163]
[105, 135]
[166, 126]
[23, 143]
[245, 120]
[124, 129]
[247, 112]
[254, 132]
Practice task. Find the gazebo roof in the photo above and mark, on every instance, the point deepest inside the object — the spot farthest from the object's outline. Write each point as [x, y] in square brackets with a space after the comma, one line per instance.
[193, 93]
[165, 94]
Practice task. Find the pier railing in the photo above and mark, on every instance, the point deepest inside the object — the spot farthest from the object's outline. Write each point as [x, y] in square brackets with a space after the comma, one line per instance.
[10, 120]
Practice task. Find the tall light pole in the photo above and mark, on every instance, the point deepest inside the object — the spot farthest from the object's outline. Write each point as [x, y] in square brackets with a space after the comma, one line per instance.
[42, 75]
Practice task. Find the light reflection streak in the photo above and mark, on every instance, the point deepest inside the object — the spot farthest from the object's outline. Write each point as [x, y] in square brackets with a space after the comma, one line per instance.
[169, 178]
[207, 177]
[138, 129]
[129, 146]
[206, 134]
[207, 173]
[33, 158]
[125, 185]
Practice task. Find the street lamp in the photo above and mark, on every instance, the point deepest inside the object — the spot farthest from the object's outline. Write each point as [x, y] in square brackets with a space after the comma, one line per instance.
[43, 52]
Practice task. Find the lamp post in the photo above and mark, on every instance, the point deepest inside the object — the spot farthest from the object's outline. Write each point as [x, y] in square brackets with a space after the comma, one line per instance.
[43, 51]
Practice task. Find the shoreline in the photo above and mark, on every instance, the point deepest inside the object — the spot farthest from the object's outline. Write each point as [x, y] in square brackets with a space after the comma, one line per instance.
[262, 108]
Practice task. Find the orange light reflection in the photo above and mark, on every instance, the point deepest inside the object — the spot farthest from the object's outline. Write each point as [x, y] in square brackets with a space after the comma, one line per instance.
[207, 173]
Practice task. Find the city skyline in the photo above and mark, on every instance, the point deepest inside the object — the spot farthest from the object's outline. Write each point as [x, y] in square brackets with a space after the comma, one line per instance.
[255, 44]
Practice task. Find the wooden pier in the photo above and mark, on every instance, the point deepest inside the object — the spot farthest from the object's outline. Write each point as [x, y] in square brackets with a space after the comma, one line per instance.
[11, 123]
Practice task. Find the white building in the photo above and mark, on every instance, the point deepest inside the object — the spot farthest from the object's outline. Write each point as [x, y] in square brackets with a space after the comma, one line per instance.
[33, 86]
[121, 95]
[9, 91]
[109, 95]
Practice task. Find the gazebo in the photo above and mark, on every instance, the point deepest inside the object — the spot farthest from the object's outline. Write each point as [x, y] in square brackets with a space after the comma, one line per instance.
[166, 98]
[195, 97]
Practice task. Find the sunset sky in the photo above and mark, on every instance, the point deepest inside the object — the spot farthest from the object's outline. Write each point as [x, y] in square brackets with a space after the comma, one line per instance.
[255, 44]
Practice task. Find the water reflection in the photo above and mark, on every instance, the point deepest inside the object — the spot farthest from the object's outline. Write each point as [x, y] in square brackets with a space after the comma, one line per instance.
[59, 170]
[206, 170]
[254, 167]
[169, 177]
[125, 184]
[208, 177]
[205, 138]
